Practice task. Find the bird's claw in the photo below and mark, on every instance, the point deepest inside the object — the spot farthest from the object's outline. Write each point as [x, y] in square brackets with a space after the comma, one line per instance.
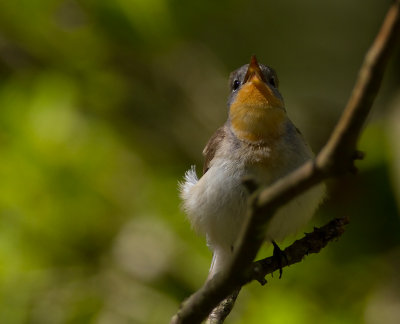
[279, 255]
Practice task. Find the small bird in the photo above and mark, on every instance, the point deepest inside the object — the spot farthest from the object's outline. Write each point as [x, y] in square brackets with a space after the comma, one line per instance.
[258, 141]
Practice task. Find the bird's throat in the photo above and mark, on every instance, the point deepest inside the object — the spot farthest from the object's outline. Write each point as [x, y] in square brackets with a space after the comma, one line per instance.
[257, 114]
[255, 124]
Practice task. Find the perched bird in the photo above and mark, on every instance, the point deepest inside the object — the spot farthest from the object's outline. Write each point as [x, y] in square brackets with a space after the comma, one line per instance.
[259, 141]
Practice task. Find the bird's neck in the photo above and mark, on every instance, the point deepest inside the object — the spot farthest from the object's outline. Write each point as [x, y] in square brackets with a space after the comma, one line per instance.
[257, 124]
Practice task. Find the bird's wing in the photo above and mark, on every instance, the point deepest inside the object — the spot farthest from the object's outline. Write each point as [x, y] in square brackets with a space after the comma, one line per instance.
[212, 146]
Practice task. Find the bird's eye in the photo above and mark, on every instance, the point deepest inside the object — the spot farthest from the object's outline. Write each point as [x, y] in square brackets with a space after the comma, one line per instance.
[235, 85]
[272, 81]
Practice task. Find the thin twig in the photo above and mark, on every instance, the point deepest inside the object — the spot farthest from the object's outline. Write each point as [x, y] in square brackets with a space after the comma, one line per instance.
[312, 242]
[219, 313]
[335, 159]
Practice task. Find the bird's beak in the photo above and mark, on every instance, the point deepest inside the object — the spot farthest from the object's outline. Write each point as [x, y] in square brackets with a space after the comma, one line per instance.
[255, 78]
[253, 71]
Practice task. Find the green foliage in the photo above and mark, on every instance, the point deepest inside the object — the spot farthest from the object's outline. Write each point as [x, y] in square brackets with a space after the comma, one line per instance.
[105, 104]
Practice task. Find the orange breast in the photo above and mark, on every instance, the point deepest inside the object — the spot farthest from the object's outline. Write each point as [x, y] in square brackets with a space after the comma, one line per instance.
[257, 114]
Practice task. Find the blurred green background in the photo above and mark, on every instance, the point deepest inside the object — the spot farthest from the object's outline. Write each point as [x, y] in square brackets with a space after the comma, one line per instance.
[105, 104]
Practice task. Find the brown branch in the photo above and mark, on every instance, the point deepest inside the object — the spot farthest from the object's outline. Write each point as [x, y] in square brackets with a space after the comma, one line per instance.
[336, 158]
[219, 313]
[312, 242]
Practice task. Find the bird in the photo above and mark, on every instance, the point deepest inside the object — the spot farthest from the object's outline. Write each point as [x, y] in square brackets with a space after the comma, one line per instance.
[260, 142]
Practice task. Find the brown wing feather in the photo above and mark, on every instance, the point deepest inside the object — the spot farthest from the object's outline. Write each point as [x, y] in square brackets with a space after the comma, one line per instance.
[212, 147]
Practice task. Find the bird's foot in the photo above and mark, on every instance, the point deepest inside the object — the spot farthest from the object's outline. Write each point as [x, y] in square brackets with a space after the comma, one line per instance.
[280, 256]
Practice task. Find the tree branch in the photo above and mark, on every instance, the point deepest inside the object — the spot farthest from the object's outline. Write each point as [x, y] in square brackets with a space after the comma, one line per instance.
[335, 159]
[311, 243]
[219, 313]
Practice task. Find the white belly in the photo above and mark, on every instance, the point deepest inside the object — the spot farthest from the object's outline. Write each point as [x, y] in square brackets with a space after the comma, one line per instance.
[216, 204]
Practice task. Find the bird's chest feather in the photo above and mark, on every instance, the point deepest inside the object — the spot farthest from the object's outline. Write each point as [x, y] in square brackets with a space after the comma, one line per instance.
[220, 196]
[258, 161]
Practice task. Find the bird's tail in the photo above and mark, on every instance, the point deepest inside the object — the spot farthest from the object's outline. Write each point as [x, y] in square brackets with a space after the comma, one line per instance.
[221, 259]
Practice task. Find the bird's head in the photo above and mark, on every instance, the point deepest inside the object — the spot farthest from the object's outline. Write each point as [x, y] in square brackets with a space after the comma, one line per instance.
[256, 108]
